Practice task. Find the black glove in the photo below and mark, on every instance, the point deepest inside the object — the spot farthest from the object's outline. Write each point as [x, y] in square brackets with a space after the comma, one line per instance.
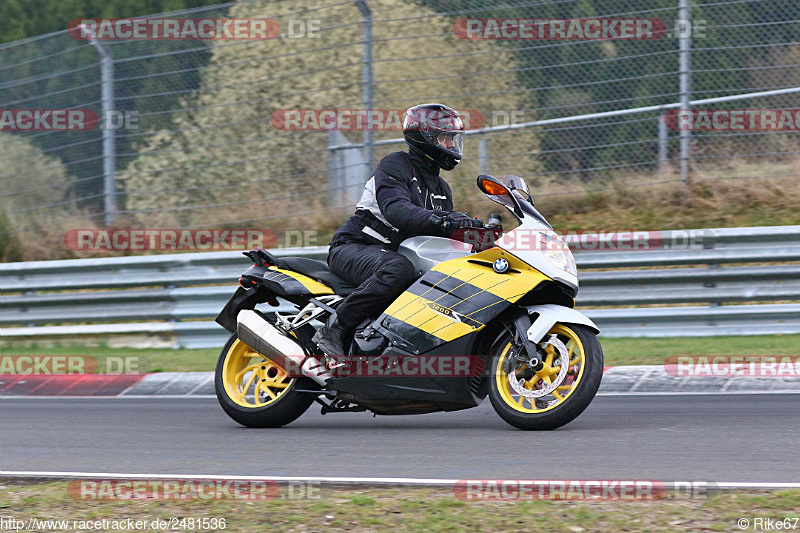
[456, 220]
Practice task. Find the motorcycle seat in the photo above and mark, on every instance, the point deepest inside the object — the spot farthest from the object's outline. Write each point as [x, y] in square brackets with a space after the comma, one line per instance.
[317, 270]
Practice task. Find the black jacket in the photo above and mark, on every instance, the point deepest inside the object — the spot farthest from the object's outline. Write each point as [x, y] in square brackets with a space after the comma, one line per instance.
[398, 202]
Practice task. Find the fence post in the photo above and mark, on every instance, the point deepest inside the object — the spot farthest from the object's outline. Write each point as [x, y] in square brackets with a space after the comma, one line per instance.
[347, 171]
[483, 156]
[663, 164]
[685, 84]
[366, 78]
[109, 136]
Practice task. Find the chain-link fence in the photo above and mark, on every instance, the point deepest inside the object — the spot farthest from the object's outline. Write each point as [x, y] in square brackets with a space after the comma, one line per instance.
[230, 133]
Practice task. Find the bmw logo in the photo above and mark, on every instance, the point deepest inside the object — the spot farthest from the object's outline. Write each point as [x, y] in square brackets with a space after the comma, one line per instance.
[500, 265]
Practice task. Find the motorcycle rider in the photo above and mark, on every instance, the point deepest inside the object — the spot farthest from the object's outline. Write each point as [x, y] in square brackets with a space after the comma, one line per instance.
[405, 197]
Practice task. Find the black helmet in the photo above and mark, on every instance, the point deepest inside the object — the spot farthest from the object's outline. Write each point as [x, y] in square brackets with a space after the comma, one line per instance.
[437, 131]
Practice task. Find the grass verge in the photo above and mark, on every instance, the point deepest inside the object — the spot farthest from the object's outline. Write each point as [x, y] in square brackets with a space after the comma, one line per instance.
[617, 351]
[627, 351]
[412, 510]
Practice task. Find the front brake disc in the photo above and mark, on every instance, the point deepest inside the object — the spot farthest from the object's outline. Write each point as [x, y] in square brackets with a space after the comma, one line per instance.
[563, 358]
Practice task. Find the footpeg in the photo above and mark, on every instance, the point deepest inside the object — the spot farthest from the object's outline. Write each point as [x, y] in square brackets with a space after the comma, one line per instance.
[332, 364]
[316, 370]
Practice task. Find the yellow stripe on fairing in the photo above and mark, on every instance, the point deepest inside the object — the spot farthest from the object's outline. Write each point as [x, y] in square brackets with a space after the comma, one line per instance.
[313, 286]
[414, 311]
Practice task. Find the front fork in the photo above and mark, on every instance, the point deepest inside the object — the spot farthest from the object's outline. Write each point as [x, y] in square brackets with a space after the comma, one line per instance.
[524, 350]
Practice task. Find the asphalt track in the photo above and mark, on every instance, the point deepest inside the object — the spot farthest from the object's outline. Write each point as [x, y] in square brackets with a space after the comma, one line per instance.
[750, 438]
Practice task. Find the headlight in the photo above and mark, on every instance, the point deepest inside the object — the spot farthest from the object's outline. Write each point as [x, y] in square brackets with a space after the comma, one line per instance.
[558, 252]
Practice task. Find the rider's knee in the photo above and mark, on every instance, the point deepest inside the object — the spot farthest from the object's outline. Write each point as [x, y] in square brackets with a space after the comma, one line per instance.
[402, 270]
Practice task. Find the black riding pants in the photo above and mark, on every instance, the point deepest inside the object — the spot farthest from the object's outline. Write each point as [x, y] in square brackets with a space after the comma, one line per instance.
[381, 275]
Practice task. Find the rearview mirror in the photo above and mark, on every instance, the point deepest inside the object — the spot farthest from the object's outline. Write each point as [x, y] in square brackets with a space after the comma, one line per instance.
[499, 192]
[492, 186]
[518, 184]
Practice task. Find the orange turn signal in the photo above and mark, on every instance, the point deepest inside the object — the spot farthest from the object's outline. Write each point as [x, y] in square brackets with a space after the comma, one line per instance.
[493, 188]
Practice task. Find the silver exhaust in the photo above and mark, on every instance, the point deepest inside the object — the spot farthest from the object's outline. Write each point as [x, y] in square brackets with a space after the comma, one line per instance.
[267, 340]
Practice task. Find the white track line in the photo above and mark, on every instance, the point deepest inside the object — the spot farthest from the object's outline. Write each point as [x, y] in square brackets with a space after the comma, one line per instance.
[698, 393]
[126, 397]
[428, 482]
[212, 396]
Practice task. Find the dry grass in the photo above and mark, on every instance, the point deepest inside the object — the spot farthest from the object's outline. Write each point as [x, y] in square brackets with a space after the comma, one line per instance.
[739, 194]
[728, 197]
[413, 510]
[40, 237]
[736, 194]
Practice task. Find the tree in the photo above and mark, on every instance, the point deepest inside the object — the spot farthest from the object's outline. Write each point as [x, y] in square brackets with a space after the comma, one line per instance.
[227, 162]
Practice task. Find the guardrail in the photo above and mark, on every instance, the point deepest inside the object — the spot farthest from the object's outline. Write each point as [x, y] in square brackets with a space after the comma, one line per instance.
[176, 296]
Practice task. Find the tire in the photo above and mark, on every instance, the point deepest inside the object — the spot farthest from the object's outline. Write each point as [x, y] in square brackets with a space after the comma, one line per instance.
[285, 408]
[549, 412]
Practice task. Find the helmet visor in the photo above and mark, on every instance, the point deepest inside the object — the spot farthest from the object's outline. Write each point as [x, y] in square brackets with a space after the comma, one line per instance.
[450, 141]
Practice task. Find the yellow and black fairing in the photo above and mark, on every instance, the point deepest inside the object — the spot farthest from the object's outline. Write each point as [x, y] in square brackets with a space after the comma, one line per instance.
[457, 298]
[265, 281]
[444, 313]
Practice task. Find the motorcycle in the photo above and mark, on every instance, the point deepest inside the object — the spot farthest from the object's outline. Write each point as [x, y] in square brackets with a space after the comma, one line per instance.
[490, 319]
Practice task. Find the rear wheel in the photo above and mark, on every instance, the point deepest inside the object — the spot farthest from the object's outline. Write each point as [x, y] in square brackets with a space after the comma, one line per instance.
[256, 392]
[555, 394]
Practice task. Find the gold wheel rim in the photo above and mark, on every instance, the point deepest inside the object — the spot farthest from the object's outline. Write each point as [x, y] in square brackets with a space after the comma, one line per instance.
[250, 379]
[577, 363]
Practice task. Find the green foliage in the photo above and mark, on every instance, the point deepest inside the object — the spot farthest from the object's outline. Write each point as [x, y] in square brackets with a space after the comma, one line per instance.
[228, 156]
[206, 140]
[27, 18]
[737, 48]
[10, 245]
[26, 168]
[60, 72]
[45, 182]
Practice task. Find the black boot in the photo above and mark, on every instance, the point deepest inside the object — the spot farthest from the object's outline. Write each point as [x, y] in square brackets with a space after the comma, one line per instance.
[330, 337]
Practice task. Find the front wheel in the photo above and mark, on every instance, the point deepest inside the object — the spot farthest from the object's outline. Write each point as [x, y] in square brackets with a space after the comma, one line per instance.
[256, 392]
[566, 381]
